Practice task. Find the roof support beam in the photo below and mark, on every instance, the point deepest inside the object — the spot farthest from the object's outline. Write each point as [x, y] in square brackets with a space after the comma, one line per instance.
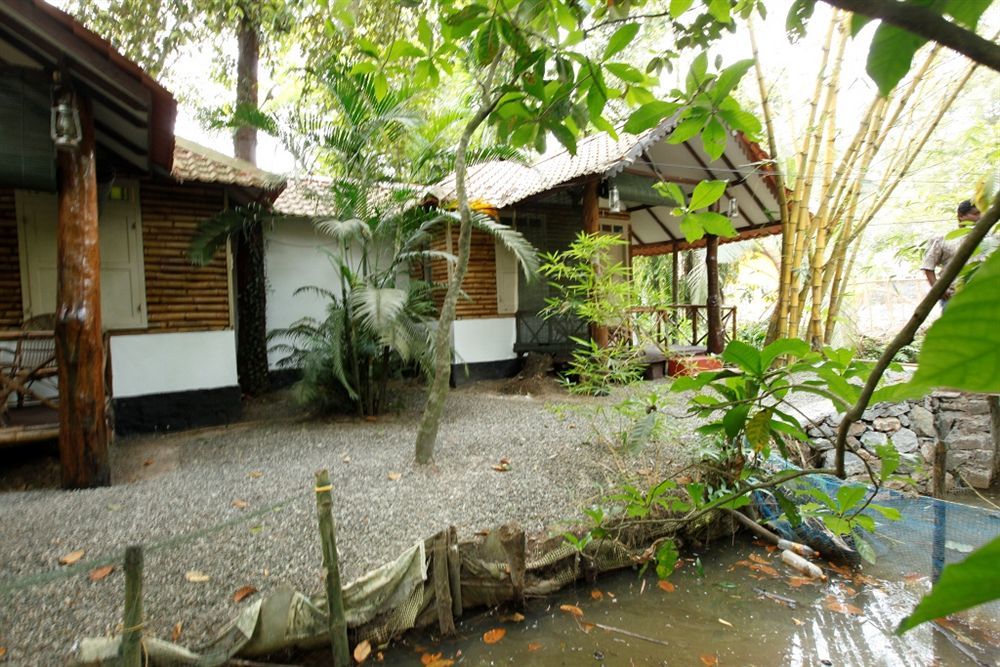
[756, 231]
[704, 166]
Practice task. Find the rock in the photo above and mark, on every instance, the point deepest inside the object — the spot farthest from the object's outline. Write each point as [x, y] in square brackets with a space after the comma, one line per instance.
[927, 452]
[821, 444]
[827, 431]
[870, 414]
[873, 439]
[852, 464]
[978, 478]
[886, 424]
[922, 422]
[895, 410]
[964, 440]
[905, 441]
[853, 443]
[908, 463]
[857, 428]
[814, 433]
[956, 458]
[904, 420]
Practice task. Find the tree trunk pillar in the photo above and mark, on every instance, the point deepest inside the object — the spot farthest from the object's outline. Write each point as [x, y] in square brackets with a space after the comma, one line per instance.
[83, 429]
[592, 225]
[715, 333]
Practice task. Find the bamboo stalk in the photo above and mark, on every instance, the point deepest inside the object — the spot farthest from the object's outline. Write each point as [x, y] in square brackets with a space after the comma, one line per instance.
[130, 649]
[334, 597]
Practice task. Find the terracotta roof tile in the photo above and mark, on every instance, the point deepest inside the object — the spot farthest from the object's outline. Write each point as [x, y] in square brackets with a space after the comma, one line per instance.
[193, 162]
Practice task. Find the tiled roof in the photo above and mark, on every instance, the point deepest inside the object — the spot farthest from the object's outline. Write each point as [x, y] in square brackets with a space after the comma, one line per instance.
[502, 183]
[304, 197]
[193, 162]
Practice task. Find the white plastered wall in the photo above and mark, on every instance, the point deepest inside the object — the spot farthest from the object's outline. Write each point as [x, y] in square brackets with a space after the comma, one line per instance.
[480, 340]
[162, 363]
[295, 256]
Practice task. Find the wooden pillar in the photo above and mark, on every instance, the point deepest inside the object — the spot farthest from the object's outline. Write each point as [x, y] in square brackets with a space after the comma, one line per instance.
[83, 432]
[592, 225]
[715, 334]
[675, 288]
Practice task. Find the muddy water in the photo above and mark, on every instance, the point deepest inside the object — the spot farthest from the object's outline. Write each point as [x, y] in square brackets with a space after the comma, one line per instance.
[740, 607]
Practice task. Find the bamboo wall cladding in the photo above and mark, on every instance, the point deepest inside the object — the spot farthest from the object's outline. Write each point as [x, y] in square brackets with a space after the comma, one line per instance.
[480, 280]
[179, 295]
[10, 271]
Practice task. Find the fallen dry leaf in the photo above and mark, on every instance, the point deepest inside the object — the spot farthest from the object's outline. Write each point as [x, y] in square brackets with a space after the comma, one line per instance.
[380, 657]
[766, 569]
[503, 466]
[394, 476]
[441, 662]
[516, 617]
[240, 504]
[913, 577]
[243, 593]
[534, 646]
[667, 586]
[842, 607]
[71, 557]
[371, 418]
[3, 652]
[101, 572]
[494, 635]
[709, 660]
[596, 594]
[196, 577]
[726, 623]
[797, 621]
[175, 633]
[795, 582]
[586, 627]
[758, 559]
[347, 458]
[362, 651]
[841, 570]
[571, 609]
[611, 595]
[428, 658]
[147, 462]
[850, 592]
[255, 474]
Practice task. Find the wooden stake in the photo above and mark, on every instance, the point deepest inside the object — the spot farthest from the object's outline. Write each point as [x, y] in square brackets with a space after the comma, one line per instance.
[940, 468]
[715, 333]
[455, 572]
[130, 649]
[512, 540]
[442, 584]
[83, 433]
[334, 597]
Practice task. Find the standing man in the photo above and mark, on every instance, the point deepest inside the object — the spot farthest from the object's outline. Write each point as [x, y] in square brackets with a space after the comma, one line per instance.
[941, 250]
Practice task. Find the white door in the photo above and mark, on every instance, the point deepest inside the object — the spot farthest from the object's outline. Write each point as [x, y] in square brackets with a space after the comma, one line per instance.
[122, 279]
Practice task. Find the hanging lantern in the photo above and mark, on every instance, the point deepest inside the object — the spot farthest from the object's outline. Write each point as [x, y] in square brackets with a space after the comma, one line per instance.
[614, 199]
[65, 123]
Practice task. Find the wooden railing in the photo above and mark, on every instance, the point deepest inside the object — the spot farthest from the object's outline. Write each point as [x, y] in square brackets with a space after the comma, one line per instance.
[554, 334]
[678, 325]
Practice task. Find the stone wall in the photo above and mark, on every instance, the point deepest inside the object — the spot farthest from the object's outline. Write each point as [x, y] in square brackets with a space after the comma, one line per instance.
[966, 423]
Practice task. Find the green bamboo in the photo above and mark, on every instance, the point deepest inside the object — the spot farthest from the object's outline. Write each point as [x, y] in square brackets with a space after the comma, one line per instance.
[334, 597]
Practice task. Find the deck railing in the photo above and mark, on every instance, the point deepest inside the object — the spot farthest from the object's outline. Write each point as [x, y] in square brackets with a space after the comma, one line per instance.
[552, 335]
[677, 325]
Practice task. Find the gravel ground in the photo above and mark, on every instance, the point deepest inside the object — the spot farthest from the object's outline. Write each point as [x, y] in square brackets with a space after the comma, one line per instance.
[170, 488]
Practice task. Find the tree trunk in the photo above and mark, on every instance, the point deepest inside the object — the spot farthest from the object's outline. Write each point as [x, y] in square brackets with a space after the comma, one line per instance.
[251, 287]
[83, 428]
[715, 333]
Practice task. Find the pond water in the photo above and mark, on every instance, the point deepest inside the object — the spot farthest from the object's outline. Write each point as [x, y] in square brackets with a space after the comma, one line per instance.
[739, 605]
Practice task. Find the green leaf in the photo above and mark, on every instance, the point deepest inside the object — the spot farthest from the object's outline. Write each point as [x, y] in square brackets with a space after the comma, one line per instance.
[486, 45]
[713, 137]
[564, 136]
[865, 549]
[691, 228]
[966, 12]
[697, 73]
[626, 72]
[687, 128]
[974, 581]
[649, 115]
[425, 34]
[745, 356]
[962, 348]
[670, 191]
[728, 79]
[758, 430]
[742, 121]
[381, 85]
[719, 9]
[858, 22]
[890, 55]
[620, 39]
[889, 456]
[790, 509]
[890, 513]
[794, 347]
[715, 223]
[734, 419]
[678, 7]
[850, 495]
[513, 36]
[402, 48]
[707, 193]
[666, 559]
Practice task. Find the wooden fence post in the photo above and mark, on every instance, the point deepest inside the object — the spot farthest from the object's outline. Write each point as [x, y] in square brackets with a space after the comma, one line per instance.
[131, 646]
[334, 597]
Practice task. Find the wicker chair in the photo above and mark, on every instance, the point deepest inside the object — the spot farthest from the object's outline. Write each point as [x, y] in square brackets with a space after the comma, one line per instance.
[34, 358]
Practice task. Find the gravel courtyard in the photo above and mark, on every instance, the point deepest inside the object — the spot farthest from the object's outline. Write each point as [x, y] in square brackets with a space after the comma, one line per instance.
[236, 505]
